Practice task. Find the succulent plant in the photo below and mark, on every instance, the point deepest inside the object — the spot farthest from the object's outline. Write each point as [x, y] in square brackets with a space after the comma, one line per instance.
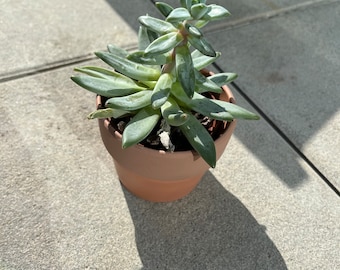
[162, 80]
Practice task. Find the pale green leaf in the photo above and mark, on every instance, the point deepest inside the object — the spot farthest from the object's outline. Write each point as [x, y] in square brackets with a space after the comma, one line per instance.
[129, 68]
[201, 61]
[202, 45]
[185, 70]
[105, 87]
[130, 102]
[164, 8]
[223, 78]
[107, 113]
[201, 104]
[172, 113]
[216, 12]
[143, 38]
[140, 57]
[236, 111]
[204, 84]
[117, 50]
[161, 91]
[178, 14]
[200, 139]
[157, 25]
[199, 10]
[140, 126]
[164, 44]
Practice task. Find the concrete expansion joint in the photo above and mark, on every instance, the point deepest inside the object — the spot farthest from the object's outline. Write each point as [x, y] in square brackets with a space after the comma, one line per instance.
[26, 72]
[268, 15]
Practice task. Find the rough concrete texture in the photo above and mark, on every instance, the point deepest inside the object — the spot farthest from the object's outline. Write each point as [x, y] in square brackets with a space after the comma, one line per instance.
[285, 60]
[263, 207]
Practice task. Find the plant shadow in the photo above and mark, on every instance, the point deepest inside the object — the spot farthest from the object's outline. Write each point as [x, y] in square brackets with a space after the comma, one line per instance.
[208, 229]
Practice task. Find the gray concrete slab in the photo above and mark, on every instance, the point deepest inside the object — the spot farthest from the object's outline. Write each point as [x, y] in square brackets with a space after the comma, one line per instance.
[62, 206]
[43, 32]
[289, 67]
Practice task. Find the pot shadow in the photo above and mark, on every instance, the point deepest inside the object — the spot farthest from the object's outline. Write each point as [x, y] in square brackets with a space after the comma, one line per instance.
[208, 229]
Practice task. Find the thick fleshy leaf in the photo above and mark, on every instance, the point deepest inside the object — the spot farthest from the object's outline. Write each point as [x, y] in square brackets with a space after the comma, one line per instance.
[236, 111]
[140, 126]
[201, 61]
[200, 139]
[107, 113]
[164, 44]
[223, 78]
[204, 84]
[117, 50]
[185, 70]
[199, 10]
[179, 14]
[140, 57]
[131, 102]
[106, 74]
[216, 12]
[164, 8]
[192, 30]
[201, 23]
[172, 113]
[201, 104]
[143, 38]
[202, 45]
[107, 88]
[129, 68]
[161, 91]
[157, 25]
[186, 4]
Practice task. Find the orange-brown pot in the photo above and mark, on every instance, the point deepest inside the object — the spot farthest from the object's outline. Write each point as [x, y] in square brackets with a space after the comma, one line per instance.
[159, 176]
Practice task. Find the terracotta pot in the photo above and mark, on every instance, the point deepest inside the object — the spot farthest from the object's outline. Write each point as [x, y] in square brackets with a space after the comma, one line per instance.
[159, 176]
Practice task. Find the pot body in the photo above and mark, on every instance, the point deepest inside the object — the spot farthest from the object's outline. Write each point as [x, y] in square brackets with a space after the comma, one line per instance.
[160, 176]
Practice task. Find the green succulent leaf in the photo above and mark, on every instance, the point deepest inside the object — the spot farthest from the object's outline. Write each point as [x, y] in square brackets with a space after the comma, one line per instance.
[172, 113]
[117, 86]
[156, 25]
[201, 23]
[185, 70]
[204, 84]
[104, 73]
[216, 12]
[117, 50]
[223, 78]
[199, 10]
[201, 61]
[143, 38]
[140, 57]
[164, 44]
[161, 91]
[202, 45]
[236, 111]
[201, 104]
[186, 4]
[200, 139]
[107, 113]
[192, 30]
[129, 68]
[140, 126]
[164, 8]
[152, 35]
[131, 102]
[178, 14]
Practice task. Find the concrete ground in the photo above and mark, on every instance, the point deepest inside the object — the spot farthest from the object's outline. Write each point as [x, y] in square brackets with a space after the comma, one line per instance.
[271, 203]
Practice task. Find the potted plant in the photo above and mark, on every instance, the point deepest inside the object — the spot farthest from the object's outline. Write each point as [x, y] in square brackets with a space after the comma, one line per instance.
[163, 117]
